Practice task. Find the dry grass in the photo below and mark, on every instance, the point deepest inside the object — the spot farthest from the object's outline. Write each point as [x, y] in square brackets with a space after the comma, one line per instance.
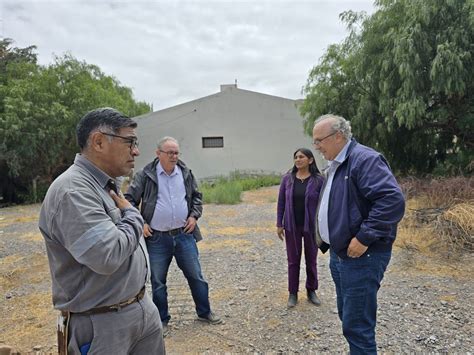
[25, 219]
[15, 270]
[230, 231]
[222, 293]
[18, 215]
[439, 192]
[222, 212]
[438, 228]
[32, 237]
[456, 226]
[439, 219]
[269, 242]
[260, 196]
[11, 269]
[233, 244]
[237, 231]
[29, 319]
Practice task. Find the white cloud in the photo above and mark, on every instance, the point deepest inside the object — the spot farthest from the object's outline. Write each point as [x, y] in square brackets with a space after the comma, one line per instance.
[170, 52]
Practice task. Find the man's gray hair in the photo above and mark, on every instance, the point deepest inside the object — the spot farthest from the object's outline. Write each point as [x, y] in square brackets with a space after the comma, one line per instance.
[339, 124]
[166, 139]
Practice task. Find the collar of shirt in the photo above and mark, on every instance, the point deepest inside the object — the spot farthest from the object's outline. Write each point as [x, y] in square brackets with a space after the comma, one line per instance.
[160, 170]
[339, 159]
[101, 177]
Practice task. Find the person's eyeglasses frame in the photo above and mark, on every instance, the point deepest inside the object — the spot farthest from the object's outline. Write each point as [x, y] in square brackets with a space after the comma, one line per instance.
[317, 142]
[132, 140]
[170, 153]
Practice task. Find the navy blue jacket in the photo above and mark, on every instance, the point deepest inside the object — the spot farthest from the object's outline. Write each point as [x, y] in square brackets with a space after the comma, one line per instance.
[365, 202]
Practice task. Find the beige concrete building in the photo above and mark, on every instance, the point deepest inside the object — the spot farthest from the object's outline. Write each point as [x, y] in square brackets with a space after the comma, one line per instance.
[233, 129]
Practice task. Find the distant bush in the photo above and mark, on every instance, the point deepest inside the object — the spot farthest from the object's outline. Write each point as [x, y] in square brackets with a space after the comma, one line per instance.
[228, 190]
[221, 192]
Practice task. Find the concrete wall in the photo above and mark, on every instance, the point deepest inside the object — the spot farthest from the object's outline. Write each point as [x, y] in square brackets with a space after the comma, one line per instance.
[260, 132]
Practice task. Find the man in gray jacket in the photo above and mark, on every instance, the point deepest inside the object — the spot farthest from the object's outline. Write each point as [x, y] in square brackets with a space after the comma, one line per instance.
[95, 248]
[171, 205]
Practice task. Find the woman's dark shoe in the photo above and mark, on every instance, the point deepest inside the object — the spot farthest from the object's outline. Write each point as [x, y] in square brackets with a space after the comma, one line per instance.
[313, 298]
[292, 300]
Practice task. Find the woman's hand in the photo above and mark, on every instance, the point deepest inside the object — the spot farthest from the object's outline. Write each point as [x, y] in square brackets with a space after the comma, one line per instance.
[281, 233]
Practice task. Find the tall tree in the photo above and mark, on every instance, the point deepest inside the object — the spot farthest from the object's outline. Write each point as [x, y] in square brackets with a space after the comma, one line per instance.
[24, 61]
[404, 77]
[41, 106]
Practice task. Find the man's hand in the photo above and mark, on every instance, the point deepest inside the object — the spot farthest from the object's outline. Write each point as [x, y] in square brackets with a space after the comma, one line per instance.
[120, 201]
[147, 232]
[281, 233]
[356, 248]
[190, 225]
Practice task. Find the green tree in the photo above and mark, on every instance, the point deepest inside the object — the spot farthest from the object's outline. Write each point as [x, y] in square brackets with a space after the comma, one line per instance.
[41, 106]
[24, 62]
[404, 77]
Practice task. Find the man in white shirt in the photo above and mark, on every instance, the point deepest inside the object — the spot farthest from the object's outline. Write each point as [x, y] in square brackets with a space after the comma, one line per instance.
[171, 205]
[357, 216]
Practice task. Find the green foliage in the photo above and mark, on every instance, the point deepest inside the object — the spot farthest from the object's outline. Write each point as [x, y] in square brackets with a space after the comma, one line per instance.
[228, 190]
[253, 182]
[223, 192]
[40, 107]
[403, 77]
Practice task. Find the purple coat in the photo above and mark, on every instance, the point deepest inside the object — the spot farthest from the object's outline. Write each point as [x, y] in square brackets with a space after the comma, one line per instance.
[285, 213]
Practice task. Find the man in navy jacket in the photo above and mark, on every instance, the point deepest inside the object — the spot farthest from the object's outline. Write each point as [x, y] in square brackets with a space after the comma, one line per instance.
[359, 209]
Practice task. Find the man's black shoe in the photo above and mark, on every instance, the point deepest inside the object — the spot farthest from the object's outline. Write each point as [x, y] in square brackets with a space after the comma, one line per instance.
[292, 300]
[313, 298]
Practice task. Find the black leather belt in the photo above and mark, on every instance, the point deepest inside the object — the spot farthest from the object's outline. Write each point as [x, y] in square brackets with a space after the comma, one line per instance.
[171, 232]
[112, 308]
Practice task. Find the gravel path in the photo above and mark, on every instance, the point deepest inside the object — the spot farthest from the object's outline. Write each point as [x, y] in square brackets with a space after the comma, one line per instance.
[423, 306]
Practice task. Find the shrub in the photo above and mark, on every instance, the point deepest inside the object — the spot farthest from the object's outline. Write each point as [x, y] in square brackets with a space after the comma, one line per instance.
[439, 192]
[440, 213]
[224, 192]
[227, 190]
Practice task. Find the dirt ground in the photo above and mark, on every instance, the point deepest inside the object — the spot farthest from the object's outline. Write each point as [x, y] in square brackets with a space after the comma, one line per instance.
[425, 304]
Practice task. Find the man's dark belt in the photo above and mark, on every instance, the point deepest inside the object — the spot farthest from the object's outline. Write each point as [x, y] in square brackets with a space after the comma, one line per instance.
[113, 308]
[171, 232]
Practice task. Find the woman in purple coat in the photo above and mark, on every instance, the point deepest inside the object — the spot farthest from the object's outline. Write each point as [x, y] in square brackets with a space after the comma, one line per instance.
[297, 203]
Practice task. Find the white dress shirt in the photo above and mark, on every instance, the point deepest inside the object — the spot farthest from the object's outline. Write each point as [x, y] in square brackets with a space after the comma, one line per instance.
[323, 207]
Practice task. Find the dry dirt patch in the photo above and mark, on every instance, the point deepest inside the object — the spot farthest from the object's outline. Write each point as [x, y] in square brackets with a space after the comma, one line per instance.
[245, 264]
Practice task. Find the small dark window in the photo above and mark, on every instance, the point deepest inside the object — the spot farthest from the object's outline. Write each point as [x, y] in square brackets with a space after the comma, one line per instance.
[213, 142]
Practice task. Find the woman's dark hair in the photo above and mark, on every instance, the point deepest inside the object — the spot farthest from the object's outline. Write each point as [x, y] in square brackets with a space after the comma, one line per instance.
[313, 169]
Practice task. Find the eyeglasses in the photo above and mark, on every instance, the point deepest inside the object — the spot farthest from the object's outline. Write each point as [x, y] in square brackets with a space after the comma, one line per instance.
[171, 153]
[132, 140]
[318, 141]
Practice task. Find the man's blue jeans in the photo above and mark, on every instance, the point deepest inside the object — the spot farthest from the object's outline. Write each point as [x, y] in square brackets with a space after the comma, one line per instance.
[357, 282]
[161, 249]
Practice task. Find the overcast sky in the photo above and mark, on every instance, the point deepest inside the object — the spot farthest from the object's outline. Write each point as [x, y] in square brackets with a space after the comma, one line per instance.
[170, 52]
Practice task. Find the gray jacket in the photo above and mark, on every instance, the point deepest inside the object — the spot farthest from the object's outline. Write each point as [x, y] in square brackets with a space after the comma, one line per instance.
[96, 252]
[144, 189]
